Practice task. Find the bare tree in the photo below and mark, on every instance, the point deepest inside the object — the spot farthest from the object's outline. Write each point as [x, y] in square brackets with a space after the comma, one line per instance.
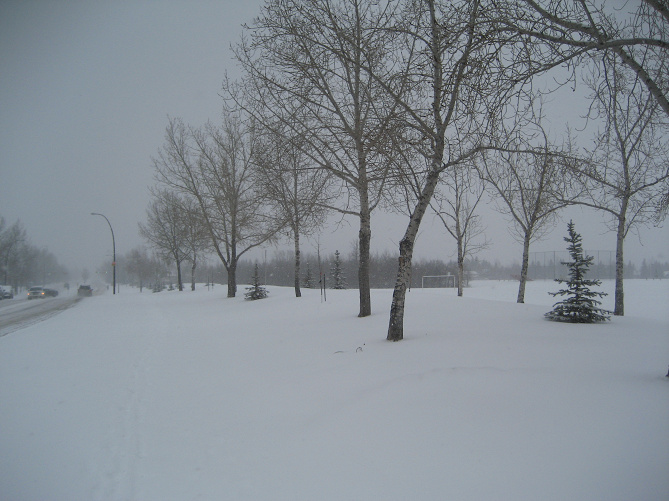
[166, 229]
[529, 186]
[304, 62]
[455, 204]
[609, 40]
[138, 264]
[12, 241]
[23, 264]
[564, 33]
[456, 83]
[628, 169]
[197, 238]
[295, 193]
[215, 166]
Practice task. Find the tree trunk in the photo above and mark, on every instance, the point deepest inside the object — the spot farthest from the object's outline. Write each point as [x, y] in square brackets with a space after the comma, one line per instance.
[461, 262]
[298, 292]
[232, 279]
[180, 285]
[192, 275]
[396, 324]
[296, 232]
[523, 268]
[619, 298]
[364, 236]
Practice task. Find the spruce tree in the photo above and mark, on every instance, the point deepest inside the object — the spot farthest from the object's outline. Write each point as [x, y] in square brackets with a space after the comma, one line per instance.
[255, 291]
[580, 305]
[337, 273]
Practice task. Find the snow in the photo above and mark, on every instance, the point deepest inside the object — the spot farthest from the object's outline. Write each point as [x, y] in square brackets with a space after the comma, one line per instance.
[184, 396]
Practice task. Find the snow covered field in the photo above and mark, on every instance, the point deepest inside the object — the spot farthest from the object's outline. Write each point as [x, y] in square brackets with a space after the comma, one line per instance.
[185, 396]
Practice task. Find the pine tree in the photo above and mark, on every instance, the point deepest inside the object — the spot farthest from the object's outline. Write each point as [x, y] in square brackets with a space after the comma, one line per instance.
[338, 277]
[255, 291]
[580, 305]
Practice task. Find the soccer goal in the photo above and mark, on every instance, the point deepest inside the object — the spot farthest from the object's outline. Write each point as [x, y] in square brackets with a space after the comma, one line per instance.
[438, 281]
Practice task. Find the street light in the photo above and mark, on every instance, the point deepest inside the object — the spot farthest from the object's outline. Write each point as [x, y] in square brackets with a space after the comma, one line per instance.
[113, 247]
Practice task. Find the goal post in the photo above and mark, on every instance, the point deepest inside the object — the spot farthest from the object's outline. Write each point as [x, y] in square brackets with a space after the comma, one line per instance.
[438, 281]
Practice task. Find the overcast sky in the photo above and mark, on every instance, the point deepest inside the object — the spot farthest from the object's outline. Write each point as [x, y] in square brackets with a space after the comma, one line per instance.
[86, 88]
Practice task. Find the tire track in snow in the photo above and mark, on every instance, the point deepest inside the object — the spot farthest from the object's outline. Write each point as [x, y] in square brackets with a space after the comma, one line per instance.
[24, 313]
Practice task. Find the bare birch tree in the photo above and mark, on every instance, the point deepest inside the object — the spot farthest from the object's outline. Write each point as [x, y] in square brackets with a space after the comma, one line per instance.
[529, 187]
[303, 61]
[455, 204]
[457, 81]
[628, 169]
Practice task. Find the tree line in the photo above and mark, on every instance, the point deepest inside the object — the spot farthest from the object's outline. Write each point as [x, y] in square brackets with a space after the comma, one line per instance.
[145, 270]
[23, 264]
[354, 106]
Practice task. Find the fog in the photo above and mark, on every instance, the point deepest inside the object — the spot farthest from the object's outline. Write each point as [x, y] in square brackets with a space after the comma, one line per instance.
[86, 89]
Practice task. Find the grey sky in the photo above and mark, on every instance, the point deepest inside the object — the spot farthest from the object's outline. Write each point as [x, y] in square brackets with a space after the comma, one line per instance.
[85, 91]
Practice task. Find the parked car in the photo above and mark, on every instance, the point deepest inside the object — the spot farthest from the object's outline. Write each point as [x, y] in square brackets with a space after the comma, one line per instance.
[85, 290]
[6, 292]
[51, 292]
[36, 292]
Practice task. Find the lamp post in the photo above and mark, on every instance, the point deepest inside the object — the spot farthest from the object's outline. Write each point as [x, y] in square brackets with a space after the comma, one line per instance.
[113, 248]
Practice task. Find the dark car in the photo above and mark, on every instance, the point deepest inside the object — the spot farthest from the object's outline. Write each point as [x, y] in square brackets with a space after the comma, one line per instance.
[85, 290]
[36, 292]
[51, 292]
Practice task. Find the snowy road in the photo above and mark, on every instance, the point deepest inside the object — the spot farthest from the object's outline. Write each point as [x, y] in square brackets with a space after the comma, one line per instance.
[16, 314]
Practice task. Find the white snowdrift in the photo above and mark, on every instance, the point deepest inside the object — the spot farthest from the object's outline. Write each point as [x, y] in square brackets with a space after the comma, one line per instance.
[179, 396]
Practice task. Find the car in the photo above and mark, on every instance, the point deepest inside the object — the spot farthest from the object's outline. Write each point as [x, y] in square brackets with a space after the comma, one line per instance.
[6, 292]
[51, 292]
[84, 290]
[36, 292]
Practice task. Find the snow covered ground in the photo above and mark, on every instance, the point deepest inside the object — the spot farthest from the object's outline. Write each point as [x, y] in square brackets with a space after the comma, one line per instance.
[185, 396]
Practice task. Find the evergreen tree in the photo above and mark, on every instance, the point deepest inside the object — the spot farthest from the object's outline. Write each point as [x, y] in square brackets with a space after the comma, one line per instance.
[337, 273]
[580, 305]
[256, 291]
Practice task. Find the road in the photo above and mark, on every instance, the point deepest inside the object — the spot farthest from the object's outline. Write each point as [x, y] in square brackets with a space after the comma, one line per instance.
[16, 313]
